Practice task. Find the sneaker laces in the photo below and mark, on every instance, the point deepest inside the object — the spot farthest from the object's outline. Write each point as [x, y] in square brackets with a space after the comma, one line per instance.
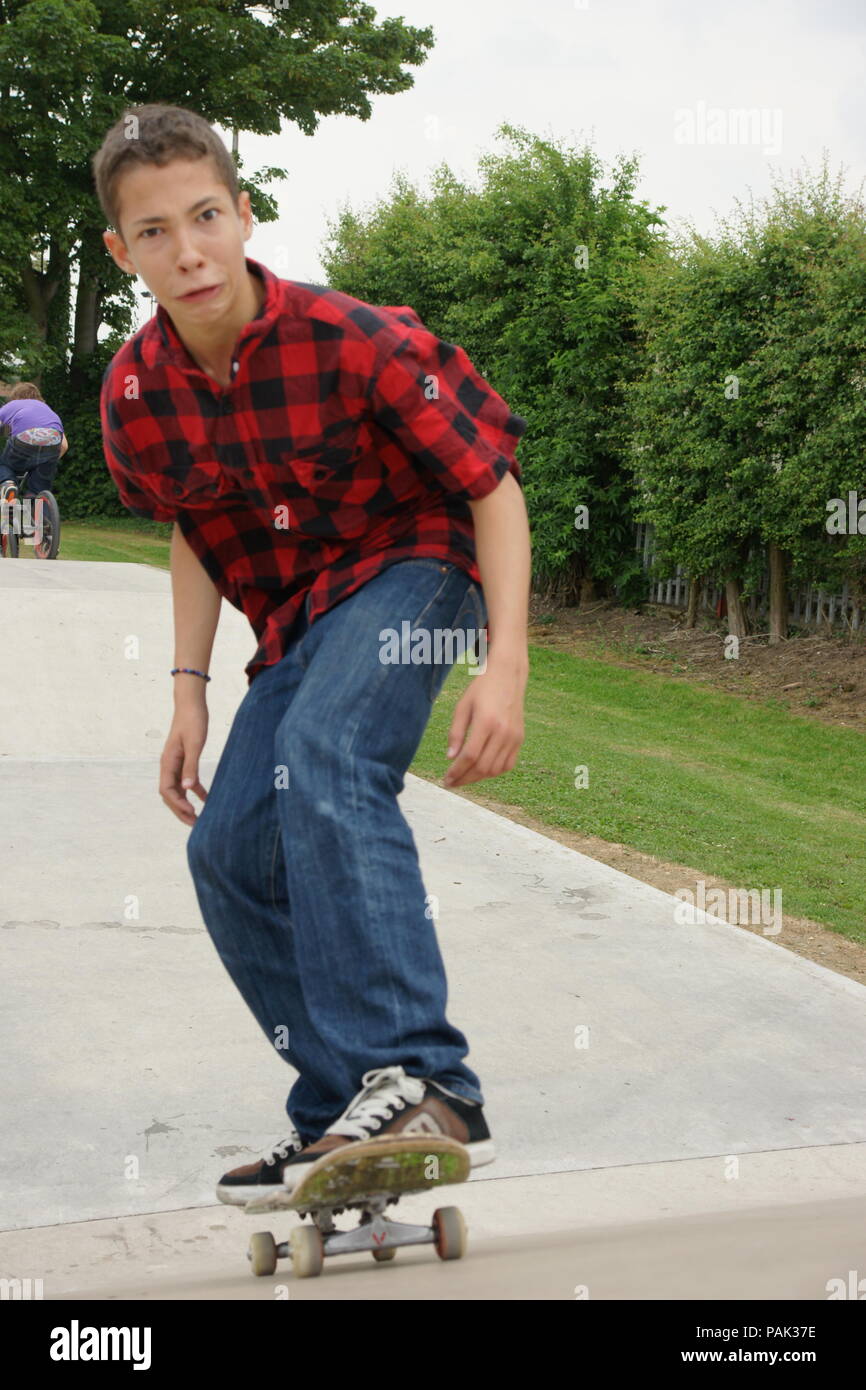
[283, 1149]
[382, 1091]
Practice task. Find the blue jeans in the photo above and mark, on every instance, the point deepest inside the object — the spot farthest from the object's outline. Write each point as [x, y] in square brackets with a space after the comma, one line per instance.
[42, 460]
[305, 868]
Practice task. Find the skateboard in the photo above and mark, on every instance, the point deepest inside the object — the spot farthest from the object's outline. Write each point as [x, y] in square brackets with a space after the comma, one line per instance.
[368, 1176]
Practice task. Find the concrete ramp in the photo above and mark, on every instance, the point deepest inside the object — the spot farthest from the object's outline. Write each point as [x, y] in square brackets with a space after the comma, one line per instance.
[681, 1069]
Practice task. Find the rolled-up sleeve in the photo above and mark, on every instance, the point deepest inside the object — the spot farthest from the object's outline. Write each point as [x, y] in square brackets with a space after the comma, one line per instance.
[132, 488]
[428, 396]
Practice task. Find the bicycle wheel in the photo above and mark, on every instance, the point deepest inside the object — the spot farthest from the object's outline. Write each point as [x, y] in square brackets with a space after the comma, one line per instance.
[8, 533]
[47, 546]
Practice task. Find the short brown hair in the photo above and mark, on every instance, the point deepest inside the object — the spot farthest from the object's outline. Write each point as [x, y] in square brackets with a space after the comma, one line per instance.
[25, 391]
[162, 133]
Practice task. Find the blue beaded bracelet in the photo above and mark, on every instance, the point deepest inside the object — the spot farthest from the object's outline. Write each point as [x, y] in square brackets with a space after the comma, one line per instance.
[189, 671]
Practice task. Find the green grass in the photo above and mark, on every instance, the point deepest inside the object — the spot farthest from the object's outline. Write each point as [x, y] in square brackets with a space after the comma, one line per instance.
[745, 791]
[759, 797]
[129, 540]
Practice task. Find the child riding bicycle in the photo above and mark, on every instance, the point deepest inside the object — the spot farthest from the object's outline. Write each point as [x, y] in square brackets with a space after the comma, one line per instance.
[35, 445]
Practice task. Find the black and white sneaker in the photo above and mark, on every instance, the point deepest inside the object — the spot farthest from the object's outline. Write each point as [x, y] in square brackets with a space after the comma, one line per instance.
[261, 1179]
[391, 1103]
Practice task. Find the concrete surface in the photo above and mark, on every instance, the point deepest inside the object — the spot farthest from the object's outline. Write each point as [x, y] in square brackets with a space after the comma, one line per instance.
[711, 1136]
[641, 1232]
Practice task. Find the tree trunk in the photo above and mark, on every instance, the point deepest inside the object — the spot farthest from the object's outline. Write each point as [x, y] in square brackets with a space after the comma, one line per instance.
[696, 586]
[778, 594]
[34, 287]
[84, 336]
[39, 290]
[738, 622]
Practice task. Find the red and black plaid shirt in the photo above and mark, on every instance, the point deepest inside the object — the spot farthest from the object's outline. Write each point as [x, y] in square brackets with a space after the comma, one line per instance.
[350, 438]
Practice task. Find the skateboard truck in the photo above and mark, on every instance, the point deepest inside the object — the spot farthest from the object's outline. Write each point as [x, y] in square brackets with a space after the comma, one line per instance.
[308, 1245]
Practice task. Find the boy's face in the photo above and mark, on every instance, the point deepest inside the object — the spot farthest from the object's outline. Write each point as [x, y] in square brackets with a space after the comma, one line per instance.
[198, 243]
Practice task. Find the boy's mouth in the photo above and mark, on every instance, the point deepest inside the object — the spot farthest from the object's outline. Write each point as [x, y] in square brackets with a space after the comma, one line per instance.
[195, 295]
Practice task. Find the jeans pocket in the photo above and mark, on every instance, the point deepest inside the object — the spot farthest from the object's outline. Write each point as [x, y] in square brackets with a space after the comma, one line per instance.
[472, 620]
[458, 639]
[476, 596]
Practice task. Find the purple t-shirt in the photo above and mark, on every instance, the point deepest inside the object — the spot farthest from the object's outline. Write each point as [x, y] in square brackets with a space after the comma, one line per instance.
[32, 422]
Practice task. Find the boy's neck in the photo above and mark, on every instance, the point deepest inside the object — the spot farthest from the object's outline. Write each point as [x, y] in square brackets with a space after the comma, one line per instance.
[215, 356]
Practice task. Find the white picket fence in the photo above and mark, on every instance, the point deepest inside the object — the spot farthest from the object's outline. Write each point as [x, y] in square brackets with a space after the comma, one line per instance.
[809, 607]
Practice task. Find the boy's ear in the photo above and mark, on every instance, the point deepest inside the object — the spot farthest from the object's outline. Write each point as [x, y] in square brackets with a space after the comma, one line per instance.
[245, 212]
[117, 250]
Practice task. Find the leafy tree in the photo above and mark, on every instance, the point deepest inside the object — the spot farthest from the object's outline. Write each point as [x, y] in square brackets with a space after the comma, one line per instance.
[747, 416]
[68, 68]
[532, 274]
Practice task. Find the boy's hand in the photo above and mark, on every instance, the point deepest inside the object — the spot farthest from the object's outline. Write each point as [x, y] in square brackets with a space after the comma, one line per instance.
[493, 705]
[179, 762]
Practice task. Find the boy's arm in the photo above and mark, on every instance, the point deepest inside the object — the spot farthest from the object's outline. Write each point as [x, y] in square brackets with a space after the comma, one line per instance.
[429, 395]
[492, 706]
[64, 446]
[196, 613]
[504, 553]
[120, 456]
[197, 605]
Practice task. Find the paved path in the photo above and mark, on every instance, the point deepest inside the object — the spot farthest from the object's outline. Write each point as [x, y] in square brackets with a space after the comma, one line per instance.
[723, 1076]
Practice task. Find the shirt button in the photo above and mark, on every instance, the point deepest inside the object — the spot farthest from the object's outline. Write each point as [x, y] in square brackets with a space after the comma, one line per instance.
[235, 366]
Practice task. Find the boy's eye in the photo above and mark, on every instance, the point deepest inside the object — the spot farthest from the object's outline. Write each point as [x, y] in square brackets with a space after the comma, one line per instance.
[147, 230]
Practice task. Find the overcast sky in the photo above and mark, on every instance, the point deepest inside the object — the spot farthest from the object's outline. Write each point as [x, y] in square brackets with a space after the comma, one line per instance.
[662, 78]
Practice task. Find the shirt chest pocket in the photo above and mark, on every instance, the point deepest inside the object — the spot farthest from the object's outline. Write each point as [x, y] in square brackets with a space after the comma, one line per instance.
[194, 481]
[326, 467]
[327, 483]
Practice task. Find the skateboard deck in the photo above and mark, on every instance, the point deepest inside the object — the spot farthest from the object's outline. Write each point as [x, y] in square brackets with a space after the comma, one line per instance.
[365, 1175]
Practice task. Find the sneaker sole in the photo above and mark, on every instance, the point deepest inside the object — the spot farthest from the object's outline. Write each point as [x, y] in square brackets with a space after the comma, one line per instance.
[239, 1196]
[481, 1152]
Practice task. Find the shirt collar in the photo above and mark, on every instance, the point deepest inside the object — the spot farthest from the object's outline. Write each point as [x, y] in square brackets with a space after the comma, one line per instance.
[161, 340]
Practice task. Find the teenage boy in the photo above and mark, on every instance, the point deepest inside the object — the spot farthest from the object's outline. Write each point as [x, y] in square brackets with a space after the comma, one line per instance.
[331, 468]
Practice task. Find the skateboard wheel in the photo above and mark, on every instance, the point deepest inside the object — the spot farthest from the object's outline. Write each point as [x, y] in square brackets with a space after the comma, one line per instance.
[380, 1256]
[449, 1233]
[263, 1253]
[307, 1252]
